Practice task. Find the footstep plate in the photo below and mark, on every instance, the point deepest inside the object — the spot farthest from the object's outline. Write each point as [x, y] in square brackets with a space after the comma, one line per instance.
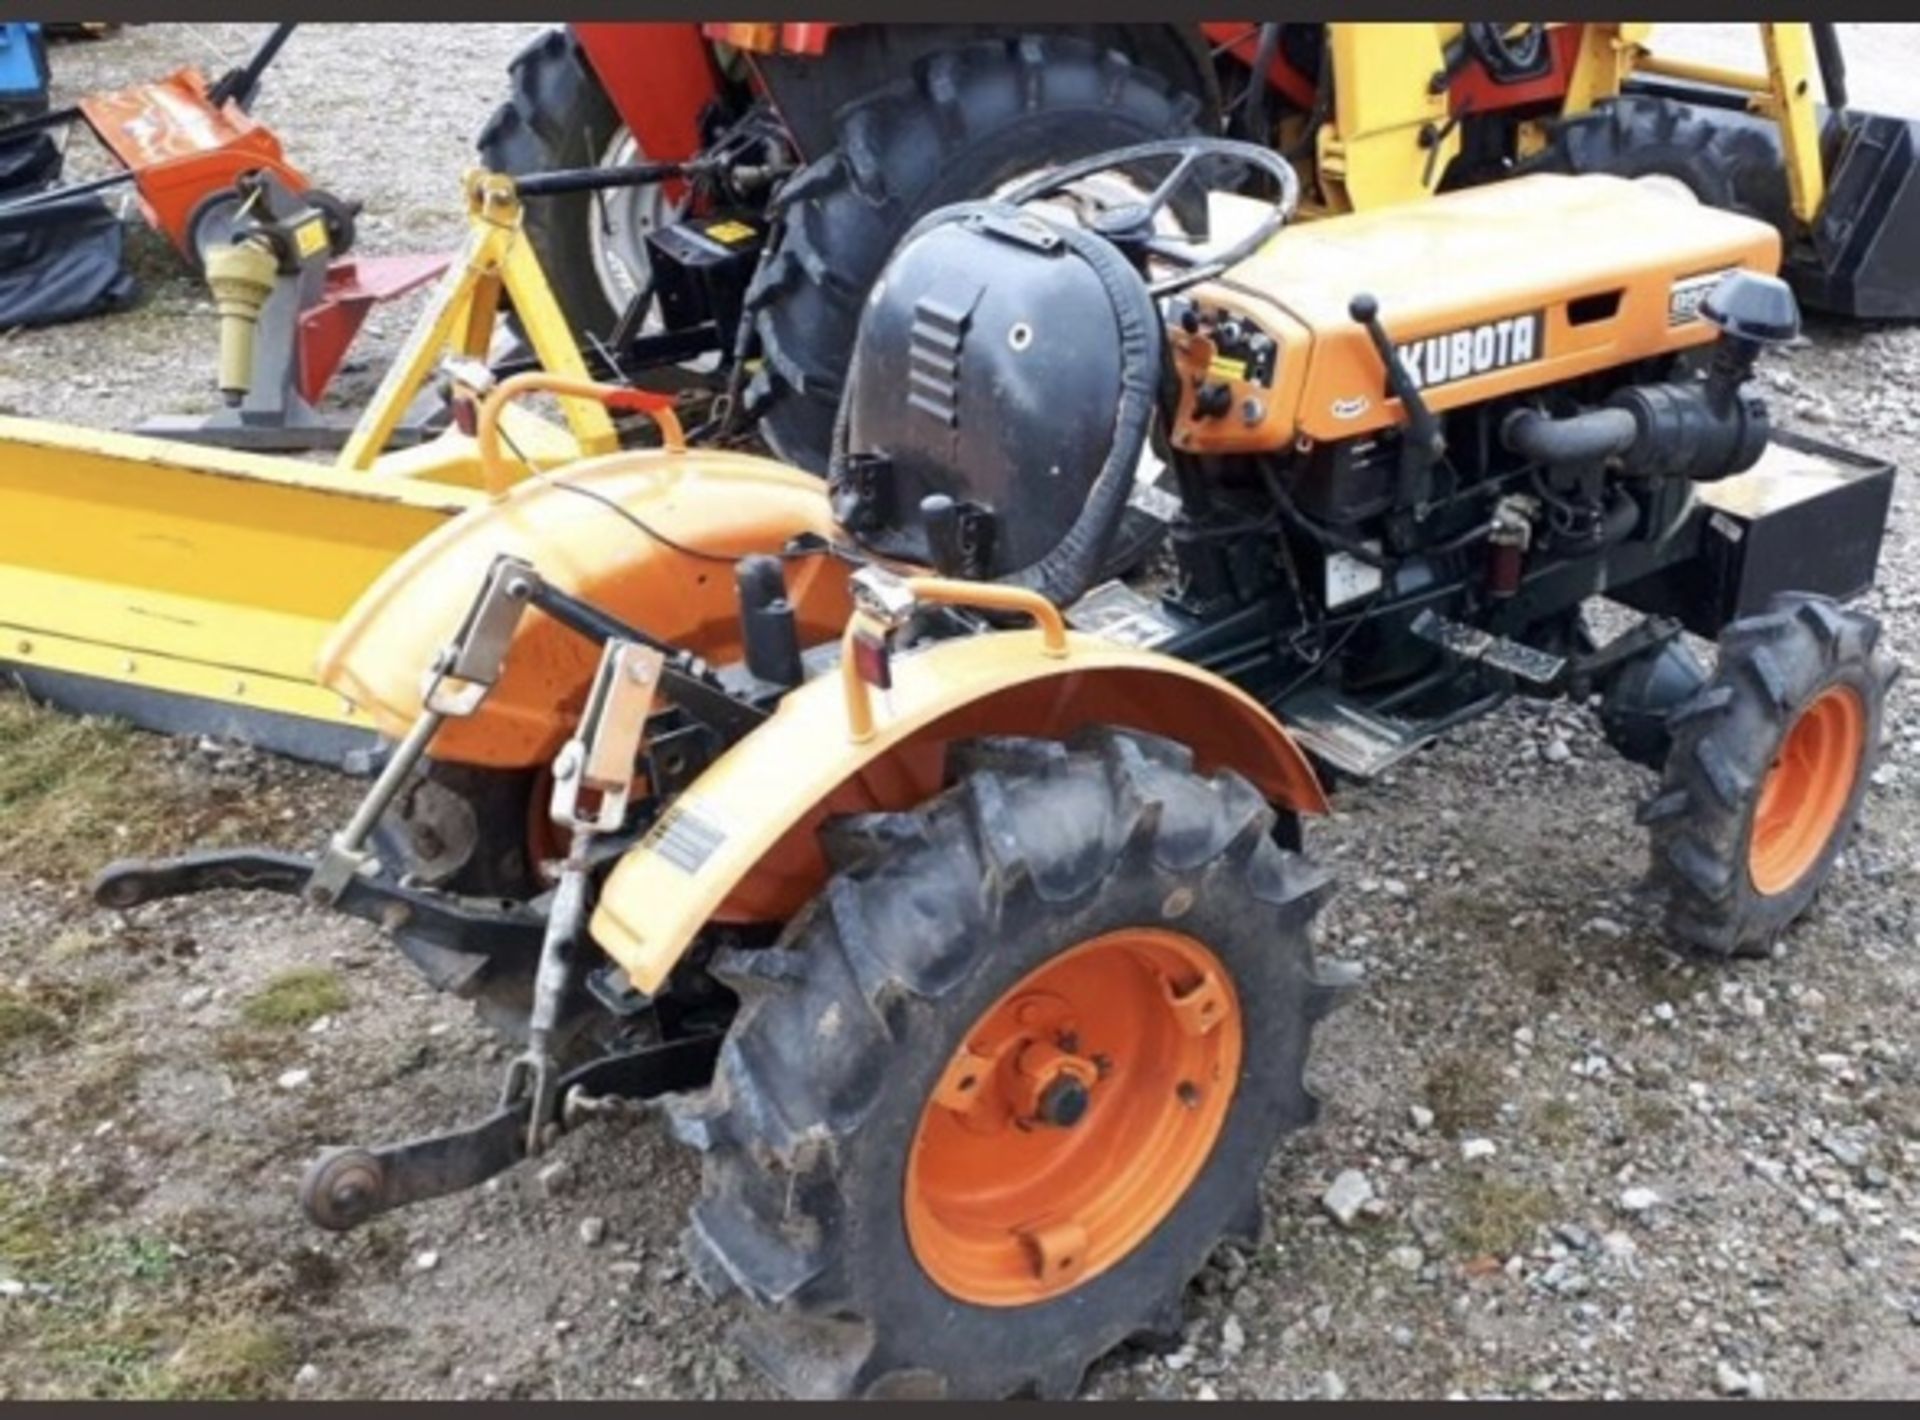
[1470, 643]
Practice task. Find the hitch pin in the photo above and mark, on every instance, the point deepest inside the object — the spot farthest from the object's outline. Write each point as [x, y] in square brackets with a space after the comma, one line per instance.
[592, 783]
[460, 678]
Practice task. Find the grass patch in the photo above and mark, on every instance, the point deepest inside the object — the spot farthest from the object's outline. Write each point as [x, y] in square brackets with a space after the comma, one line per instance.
[22, 1023]
[1558, 1123]
[117, 1314]
[78, 792]
[30, 1228]
[296, 998]
[1494, 1217]
[74, 791]
[228, 1358]
[1463, 1089]
[42, 1012]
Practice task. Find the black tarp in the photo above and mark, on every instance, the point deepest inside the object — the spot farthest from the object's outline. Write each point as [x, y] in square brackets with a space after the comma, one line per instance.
[61, 259]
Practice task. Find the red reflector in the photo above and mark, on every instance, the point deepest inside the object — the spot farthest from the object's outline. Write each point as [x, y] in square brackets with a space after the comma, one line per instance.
[871, 661]
[466, 415]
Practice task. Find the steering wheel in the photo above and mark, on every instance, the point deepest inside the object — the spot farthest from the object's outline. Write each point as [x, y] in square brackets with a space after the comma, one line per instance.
[1130, 226]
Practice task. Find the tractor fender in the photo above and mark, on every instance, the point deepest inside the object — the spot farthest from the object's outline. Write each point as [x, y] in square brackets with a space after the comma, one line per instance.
[660, 559]
[740, 844]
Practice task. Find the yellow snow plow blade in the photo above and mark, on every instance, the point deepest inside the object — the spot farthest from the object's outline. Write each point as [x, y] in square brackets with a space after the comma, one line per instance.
[189, 588]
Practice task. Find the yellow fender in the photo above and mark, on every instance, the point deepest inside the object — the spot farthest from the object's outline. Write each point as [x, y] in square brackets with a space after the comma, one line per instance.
[705, 509]
[740, 843]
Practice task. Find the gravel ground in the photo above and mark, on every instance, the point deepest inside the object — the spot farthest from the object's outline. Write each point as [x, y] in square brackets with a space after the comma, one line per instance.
[1569, 1163]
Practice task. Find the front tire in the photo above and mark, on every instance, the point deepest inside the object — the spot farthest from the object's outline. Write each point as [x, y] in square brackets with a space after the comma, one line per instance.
[1110, 948]
[1770, 762]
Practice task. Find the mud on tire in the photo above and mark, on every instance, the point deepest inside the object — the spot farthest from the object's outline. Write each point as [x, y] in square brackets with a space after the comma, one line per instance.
[965, 122]
[1726, 741]
[847, 1025]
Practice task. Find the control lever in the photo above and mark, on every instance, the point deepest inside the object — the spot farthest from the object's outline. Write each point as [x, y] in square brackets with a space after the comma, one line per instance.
[959, 536]
[1423, 445]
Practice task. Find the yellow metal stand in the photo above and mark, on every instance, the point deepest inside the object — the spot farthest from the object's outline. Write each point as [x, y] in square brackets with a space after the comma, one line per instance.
[496, 261]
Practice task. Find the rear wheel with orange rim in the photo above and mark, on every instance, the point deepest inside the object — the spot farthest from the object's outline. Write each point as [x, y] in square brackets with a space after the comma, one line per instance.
[1769, 765]
[992, 1102]
[1073, 1117]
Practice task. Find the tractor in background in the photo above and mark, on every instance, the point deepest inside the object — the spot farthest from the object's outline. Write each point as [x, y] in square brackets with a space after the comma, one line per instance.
[825, 143]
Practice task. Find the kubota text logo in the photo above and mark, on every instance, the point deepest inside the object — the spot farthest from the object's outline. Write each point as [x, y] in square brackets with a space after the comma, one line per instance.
[1462, 354]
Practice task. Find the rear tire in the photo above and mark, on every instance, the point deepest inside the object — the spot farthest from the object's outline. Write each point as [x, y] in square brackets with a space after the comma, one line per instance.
[558, 117]
[1770, 762]
[851, 1024]
[962, 125]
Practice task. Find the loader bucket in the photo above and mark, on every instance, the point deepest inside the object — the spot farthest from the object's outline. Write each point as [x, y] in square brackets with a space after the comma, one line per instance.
[1863, 259]
[189, 589]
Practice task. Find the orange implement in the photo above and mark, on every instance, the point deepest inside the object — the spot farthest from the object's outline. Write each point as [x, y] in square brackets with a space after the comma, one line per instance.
[184, 148]
[1073, 1117]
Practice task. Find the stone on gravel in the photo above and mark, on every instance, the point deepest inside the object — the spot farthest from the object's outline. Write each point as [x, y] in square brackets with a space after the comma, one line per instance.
[1730, 1380]
[426, 1261]
[1346, 1196]
[593, 1231]
[294, 1079]
[1638, 1200]
[555, 1179]
[1619, 1245]
[1473, 1150]
[1233, 1337]
[1420, 1116]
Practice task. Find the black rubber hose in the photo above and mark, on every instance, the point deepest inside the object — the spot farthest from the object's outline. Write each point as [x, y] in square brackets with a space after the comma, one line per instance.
[1580, 438]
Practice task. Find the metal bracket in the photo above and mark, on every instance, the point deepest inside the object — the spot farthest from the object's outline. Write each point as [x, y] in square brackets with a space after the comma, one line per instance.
[885, 596]
[595, 768]
[475, 657]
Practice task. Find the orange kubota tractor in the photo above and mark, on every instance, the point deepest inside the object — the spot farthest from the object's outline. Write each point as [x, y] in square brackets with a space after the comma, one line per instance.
[955, 899]
[818, 145]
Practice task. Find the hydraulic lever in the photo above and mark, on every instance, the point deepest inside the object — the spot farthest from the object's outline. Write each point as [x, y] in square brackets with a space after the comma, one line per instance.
[1423, 445]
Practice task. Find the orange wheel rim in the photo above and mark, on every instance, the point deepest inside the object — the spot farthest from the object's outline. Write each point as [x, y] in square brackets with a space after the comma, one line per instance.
[1073, 1118]
[1807, 790]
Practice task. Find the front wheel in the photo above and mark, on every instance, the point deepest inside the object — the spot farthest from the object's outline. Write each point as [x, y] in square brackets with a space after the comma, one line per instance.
[997, 1094]
[1769, 764]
